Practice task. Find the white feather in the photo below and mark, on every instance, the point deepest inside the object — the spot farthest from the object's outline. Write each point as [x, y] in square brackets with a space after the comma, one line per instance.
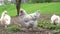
[28, 20]
[55, 19]
[5, 19]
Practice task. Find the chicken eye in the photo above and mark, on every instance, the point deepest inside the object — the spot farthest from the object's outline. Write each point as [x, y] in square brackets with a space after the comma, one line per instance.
[26, 20]
[21, 11]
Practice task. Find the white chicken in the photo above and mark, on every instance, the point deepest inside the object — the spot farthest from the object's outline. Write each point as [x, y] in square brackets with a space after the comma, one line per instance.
[28, 20]
[5, 19]
[55, 19]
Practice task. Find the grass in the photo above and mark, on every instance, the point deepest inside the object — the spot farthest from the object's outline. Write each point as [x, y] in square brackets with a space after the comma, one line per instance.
[10, 8]
[13, 28]
[45, 24]
[45, 8]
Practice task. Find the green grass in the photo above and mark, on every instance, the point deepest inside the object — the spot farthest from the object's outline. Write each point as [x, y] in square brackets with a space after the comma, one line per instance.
[45, 24]
[13, 28]
[45, 8]
[10, 8]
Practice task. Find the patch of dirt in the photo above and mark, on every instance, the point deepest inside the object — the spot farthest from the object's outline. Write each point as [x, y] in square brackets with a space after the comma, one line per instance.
[45, 16]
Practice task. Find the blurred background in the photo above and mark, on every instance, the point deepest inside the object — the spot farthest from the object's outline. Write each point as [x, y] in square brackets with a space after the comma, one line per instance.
[3, 2]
